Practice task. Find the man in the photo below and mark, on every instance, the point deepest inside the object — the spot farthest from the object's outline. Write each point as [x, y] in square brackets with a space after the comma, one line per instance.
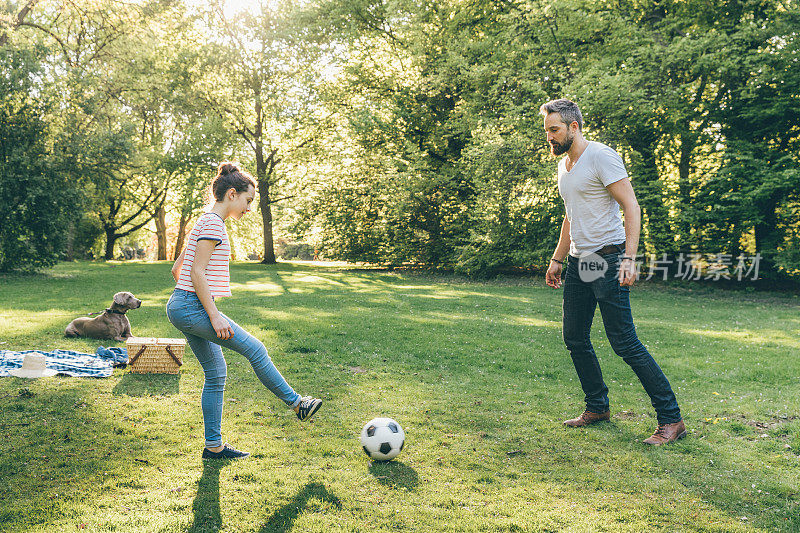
[599, 252]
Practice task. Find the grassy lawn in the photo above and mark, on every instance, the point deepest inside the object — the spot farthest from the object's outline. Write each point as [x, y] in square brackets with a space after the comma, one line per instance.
[475, 372]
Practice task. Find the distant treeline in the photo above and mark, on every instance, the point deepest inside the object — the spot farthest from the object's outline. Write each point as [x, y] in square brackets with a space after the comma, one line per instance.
[400, 131]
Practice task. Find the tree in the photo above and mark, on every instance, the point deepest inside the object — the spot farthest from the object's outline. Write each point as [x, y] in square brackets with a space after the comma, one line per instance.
[399, 101]
[112, 122]
[442, 99]
[260, 79]
[682, 87]
[36, 201]
[190, 160]
[756, 188]
[16, 20]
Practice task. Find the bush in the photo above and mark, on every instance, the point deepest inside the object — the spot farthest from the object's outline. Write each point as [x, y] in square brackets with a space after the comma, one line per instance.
[36, 201]
[294, 250]
[86, 242]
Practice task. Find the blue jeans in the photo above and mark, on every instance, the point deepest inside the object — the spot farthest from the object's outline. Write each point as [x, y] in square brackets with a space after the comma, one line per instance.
[580, 300]
[187, 314]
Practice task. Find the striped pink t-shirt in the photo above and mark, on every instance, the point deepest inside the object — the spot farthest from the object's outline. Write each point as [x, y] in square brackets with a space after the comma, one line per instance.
[209, 226]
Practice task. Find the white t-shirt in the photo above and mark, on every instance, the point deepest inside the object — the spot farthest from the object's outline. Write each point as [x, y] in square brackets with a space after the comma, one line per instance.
[594, 215]
[208, 227]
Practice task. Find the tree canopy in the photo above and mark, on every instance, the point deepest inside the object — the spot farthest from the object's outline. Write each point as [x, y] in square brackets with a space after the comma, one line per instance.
[396, 131]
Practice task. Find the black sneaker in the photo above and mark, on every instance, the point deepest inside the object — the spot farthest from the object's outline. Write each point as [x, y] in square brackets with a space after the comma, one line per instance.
[228, 452]
[308, 406]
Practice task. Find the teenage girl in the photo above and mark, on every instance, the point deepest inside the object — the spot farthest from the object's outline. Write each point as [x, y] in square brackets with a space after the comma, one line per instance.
[201, 273]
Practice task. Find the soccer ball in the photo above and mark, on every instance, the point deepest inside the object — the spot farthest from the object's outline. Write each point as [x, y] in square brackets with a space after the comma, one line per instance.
[382, 439]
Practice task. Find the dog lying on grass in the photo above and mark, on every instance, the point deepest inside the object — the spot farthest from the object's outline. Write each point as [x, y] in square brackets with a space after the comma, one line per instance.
[110, 324]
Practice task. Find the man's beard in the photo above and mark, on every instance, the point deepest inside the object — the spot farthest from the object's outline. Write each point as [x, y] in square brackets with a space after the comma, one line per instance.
[559, 149]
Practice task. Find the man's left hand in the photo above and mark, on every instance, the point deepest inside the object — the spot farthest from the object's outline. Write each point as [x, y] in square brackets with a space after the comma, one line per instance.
[627, 272]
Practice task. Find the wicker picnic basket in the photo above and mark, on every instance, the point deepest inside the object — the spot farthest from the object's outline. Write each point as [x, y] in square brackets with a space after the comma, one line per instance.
[149, 355]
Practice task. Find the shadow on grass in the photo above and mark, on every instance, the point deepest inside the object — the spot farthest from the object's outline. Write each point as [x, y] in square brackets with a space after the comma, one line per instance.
[394, 474]
[726, 484]
[207, 517]
[57, 443]
[283, 519]
[710, 472]
[147, 384]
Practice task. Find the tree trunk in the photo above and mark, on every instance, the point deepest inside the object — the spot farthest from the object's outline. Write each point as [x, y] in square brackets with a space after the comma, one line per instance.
[111, 224]
[111, 239]
[161, 232]
[18, 20]
[264, 169]
[232, 244]
[266, 216]
[181, 234]
[70, 246]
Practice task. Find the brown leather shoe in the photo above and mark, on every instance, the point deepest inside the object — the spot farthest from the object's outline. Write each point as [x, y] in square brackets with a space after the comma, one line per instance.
[587, 418]
[667, 433]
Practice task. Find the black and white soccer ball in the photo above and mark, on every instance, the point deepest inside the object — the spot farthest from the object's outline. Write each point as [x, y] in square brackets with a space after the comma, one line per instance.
[382, 439]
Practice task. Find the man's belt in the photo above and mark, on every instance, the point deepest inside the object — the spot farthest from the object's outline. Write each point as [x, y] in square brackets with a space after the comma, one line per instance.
[611, 249]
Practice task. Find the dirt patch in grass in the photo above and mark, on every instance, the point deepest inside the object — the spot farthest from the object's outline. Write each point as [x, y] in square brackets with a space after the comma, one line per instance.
[768, 425]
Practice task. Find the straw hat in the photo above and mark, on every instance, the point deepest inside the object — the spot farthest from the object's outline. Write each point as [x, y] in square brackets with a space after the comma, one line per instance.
[33, 366]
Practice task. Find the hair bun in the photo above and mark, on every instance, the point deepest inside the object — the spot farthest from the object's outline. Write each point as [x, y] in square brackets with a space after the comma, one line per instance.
[229, 176]
[227, 168]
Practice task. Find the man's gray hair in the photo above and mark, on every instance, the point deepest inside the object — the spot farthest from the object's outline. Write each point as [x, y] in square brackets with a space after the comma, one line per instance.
[567, 109]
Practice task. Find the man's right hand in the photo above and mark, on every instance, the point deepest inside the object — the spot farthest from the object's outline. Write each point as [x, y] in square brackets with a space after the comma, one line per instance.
[553, 276]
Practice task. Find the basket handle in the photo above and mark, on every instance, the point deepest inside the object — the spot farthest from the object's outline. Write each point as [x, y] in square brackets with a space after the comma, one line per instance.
[135, 357]
[169, 351]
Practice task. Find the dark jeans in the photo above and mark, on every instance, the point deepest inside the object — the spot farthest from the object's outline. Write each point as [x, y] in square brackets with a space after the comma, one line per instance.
[580, 300]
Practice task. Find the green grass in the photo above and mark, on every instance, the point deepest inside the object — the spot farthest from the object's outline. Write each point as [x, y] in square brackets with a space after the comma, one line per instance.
[475, 372]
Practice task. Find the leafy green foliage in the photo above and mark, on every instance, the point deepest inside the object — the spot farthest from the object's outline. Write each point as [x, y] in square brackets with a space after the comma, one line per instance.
[438, 181]
[400, 131]
[697, 97]
[36, 201]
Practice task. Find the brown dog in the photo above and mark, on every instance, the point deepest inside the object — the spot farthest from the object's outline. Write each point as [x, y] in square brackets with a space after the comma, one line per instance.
[111, 324]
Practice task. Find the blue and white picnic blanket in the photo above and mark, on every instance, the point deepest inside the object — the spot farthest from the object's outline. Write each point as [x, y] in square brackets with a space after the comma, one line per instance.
[76, 364]
[119, 356]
